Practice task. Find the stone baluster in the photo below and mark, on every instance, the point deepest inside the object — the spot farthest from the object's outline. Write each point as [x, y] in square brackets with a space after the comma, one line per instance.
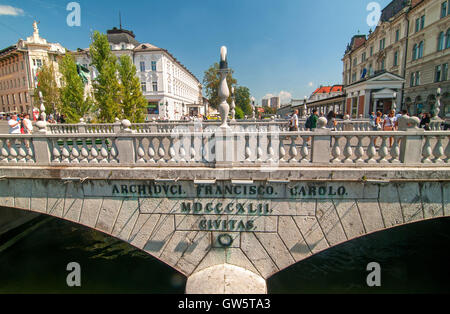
[4, 151]
[359, 151]
[259, 151]
[182, 150]
[56, 152]
[30, 152]
[140, 152]
[383, 152]
[270, 149]
[75, 153]
[85, 151]
[281, 149]
[395, 151]
[438, 151]
[151, 151]
[104, 154]
[336, 151]
[161, 151]
[65, 152]
[114, 153]
[304, 152]
[22, 152]
[372, 151]
[447, 151]
[293, 150]
[348, 152]
[426, 151]
[172, 153]
[192, 154]
[94, 152]
[248, 151]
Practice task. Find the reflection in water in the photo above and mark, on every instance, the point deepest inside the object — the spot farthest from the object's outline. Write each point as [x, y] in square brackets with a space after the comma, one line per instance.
[413, 258]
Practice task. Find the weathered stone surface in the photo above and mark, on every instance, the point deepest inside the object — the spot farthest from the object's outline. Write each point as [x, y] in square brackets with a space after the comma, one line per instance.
[431, 193]
[55, 198]
[410, 201]
[234, 236]
[291, 236]
[7, 193]
[90, 211]
[195, 253]
[446, 197]
[312, 233]
[330, 224]
[275, 247]
[126, 219]
[73, 202]
[142, 230]
[255, 252]
[371, 215]
[225, 279]
[348, 213]
[22, 193]
[390, 206]
[235, 256]
[178, 244]
[108, 213]
[160, 236]
[38, 196]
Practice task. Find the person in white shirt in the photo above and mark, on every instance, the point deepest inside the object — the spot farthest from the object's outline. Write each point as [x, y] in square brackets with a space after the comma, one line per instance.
[293, 122]
[14, 125]
[27, 125]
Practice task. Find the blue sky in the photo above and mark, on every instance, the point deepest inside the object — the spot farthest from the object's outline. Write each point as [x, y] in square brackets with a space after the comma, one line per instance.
[274, 46]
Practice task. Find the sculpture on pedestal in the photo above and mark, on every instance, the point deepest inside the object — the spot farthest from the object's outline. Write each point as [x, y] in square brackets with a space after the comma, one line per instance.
[224, 92]
[437, 106]
[233, 105]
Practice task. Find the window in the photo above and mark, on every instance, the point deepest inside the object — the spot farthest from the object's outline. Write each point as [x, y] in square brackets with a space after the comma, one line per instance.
[153, 65]
[371, 51]
[445, 71]
[417, 25]
[447, 40]
[142, 66]
[397, 35]
[440, 41]
[396, 58]
[383, 64]
[354, 62]
[123, 46]
[38, 63]
[417, 83]
[382, 42]
[420, 50]
[422, 22]
[155, 86]
[144, 86]
[438, 72]
[444, 9]
[363, 57]
[414, 54]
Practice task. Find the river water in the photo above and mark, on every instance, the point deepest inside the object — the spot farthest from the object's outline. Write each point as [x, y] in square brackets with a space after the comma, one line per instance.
[33, 259]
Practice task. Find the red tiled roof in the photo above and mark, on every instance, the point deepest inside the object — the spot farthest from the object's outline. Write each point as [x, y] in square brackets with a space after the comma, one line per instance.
[328, 89]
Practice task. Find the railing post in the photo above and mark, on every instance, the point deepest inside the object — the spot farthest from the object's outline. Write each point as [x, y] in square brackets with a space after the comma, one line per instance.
[224, 144]
[125, 145]
[41, 146]
[411, 144]
[82, 126]
[321, 143]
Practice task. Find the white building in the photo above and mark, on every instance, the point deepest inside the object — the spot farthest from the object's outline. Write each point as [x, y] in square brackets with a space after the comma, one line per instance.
[171, 90]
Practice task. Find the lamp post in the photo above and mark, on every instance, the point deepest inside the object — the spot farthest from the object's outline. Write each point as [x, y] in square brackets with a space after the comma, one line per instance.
[394, 101]
[437, 106]
[224, 92]
[304, 107]
[253, 108]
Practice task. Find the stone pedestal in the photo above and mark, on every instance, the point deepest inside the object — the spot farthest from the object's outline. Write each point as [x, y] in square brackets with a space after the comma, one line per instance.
[224, 147]
[225, 279]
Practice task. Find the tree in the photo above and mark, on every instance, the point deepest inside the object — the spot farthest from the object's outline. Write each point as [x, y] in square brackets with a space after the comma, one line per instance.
[269, 110]
[106, 84]
[134, 103]
[211, 81]
[239, 113]
[73, 103]
[242, 95]
[48, 87]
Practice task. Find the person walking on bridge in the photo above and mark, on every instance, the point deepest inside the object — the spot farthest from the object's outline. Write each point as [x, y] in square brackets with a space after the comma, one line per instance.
[14, 125]
[293, 122]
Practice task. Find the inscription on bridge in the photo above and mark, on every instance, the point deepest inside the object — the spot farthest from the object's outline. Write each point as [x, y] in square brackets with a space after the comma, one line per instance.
[227, 207]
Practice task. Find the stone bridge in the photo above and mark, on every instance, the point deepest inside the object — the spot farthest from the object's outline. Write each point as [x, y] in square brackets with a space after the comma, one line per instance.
[229, 208]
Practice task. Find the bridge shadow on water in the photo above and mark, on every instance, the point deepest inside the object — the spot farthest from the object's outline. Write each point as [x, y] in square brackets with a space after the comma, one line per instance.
[413, 259]
[33, 259]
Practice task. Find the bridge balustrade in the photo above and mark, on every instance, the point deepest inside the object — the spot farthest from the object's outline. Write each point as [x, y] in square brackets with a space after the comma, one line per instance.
[199, 146]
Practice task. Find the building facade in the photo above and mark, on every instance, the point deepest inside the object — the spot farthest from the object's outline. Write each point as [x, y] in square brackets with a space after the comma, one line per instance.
[171, 90]
[406, 56]
[19, 66]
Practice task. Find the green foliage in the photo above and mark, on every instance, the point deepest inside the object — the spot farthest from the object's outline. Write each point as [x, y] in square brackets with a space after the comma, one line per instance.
[242, 95]
[106, 86]
[48, 87]
[269, 110]
[239, 113]
[133, 104]
[72, 102]
[211, 81]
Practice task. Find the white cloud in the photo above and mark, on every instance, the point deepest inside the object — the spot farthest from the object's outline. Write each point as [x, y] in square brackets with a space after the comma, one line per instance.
[9, 10]
[310, 84]
[267, 96]
[285, 97]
